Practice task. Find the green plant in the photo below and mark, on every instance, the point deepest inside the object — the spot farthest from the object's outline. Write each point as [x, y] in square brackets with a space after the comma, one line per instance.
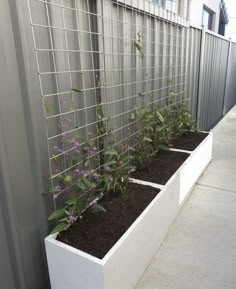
[177, 121]
[160, 135]
[145, 122]
[81, 157]
[66, 216]
[184, 120]
[116, 171]
[138, 45]
[170, 126]
[101, 125]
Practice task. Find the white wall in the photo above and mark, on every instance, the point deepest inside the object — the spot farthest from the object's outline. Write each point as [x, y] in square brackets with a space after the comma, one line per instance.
[231, 27]
[196, 8]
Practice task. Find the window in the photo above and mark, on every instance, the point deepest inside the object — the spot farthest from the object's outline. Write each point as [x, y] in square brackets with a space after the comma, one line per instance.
[207, 18]
[171, 5]
[168, 4]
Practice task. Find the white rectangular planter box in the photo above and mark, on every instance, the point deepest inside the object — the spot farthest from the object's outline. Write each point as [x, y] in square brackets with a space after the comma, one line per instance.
[124, 264]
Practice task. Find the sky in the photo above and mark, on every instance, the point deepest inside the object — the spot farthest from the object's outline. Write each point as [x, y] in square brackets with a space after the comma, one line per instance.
[231, 27]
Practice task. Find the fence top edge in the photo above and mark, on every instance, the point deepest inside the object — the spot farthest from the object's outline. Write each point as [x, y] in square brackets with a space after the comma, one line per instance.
[212, 33]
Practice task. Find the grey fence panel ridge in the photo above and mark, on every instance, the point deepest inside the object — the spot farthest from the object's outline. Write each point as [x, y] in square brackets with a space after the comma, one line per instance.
[230, 81]
[194, 46]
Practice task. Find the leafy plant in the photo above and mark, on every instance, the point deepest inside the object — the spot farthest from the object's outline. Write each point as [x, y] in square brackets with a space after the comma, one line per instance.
[102, 124]
[80, 157]
[145, 148]
[66, 216]
[76, 89]
[160, 135]
[138, 45]
[116, 171]
[184, 120]
[177, 121]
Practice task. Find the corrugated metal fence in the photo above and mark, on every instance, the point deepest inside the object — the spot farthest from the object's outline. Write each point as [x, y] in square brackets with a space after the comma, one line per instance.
[179, 60]
[211, 73]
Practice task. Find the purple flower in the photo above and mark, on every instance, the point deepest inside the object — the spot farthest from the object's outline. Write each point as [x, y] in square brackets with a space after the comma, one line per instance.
[96, 177]
[57, 150]
[74, 143]
[111, 178]
[62, 101]
[76, 172]
[92, 151]
[71, 219]
[67, 190]
[85, 173]
[55, 196]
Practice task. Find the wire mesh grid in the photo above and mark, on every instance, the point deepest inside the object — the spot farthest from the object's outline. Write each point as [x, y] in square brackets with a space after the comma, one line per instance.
[98, 61]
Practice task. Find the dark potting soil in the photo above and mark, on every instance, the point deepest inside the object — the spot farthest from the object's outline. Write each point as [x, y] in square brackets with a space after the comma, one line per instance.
[161, 167]
[97, 234]
[189, 141]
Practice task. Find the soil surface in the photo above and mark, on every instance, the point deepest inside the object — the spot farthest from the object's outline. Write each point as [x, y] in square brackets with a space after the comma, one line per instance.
[96, 234]
[161, 167]
[189, 141]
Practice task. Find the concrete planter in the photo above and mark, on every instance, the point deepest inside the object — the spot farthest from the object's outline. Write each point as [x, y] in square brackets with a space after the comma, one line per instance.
[125, 263]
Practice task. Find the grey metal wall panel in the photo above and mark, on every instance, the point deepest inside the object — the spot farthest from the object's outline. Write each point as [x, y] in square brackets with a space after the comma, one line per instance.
[210, 87]
[22, 134]
[213, 80]
[230, 97]
[7, 278]
[194, 46]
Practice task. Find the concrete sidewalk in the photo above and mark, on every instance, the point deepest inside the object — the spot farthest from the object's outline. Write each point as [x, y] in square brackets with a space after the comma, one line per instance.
[200, 249]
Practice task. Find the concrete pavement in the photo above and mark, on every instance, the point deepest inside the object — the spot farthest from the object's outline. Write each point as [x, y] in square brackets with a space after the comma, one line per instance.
[200, 249]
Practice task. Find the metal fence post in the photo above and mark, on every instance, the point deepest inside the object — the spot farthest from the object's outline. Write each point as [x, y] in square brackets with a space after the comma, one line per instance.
[200, 79]
[227, 78]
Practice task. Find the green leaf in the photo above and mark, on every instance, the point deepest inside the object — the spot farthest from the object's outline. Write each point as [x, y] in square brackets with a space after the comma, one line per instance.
[76, 90]
[57, 215]
[111, 152]
[160, 117]
[172, 93]
[75, 162]
[68, 179]
[81, 186]
[147, 139]
[72, 202]
[47, 108]
[130, 167]
[110, 163]
[54, 190]
[87, 162]
[54, 158]
[59, 228]
[132, 116]
[88, 183]
[96, 209]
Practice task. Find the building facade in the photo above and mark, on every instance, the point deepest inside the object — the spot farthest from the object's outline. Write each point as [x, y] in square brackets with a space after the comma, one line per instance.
[212, 14]
[209, 13]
